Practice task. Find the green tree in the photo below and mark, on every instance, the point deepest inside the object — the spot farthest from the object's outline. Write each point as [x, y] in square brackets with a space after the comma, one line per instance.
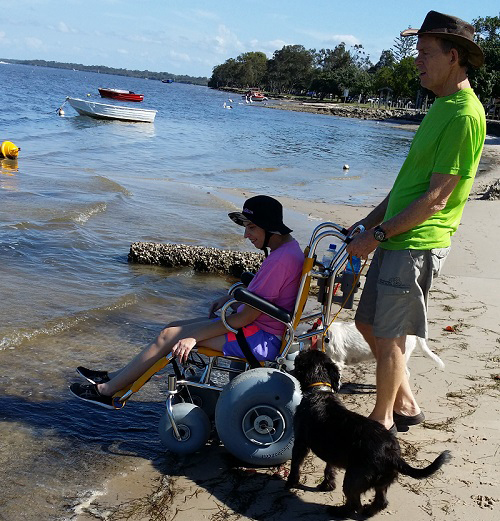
[324, 84]
[404, 47]
[253, 67]
[329, 60]
[290, 69]
[383, 77]
[359, 57]
[339, 68]
[327, 79]
[386, 59]
[226, 75]
[405, 82]
[486, 79]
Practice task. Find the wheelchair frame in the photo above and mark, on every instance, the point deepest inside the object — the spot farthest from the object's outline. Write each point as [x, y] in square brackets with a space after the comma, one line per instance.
[186, 427]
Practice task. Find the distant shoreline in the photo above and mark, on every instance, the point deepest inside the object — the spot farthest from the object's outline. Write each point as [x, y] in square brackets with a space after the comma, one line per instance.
[102, 69]
[398, 115]
[348, 110]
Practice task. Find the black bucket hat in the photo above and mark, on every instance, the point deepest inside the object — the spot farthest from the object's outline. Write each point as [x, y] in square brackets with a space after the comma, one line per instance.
[264, 211]
[450, 28]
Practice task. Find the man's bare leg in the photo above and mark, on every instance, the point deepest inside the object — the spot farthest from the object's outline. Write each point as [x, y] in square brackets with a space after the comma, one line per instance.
[389, 376]
[404, 402]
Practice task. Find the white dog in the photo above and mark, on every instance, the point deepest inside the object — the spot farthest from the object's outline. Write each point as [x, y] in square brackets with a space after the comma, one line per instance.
[346, 346]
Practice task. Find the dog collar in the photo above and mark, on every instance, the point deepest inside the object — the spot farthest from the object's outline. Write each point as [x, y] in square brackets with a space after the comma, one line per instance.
[321, 384]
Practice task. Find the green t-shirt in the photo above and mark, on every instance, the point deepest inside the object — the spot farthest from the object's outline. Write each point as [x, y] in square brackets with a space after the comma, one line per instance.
[448, 141]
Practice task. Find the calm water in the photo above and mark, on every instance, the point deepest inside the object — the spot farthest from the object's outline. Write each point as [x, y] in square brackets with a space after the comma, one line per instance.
[81, 192]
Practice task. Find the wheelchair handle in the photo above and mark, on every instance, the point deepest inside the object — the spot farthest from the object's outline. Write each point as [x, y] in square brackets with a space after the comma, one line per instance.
[359, 228]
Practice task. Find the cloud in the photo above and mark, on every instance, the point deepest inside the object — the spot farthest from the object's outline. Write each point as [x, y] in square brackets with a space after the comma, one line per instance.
[200, 13]
[122, 51]
[348, 39]
[33, 43]
[226, 42]
[140, 38]
[328, 38]
[267, 47]
[64, 28]
[179, 56]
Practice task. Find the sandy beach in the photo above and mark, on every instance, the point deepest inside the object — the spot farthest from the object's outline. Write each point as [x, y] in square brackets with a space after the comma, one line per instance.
[461, 406]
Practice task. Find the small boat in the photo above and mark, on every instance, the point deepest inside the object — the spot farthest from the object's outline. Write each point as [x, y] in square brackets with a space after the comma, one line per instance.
[122, 95]
[167, 81]
[105, 111]
[254, 95]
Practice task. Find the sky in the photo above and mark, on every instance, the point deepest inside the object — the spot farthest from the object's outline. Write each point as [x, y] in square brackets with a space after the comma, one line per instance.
[192, 37]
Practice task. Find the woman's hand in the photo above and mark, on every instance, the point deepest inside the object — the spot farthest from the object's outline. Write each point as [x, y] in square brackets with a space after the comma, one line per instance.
[217, 304]
[182, 349]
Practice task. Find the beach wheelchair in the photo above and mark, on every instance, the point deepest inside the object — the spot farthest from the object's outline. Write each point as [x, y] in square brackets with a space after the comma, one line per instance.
[251, 404]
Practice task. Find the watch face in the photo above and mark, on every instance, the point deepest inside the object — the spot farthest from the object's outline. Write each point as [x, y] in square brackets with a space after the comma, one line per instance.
[379, 235]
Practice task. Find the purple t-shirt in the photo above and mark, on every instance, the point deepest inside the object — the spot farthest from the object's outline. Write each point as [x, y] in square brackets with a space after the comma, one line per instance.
[278, 282]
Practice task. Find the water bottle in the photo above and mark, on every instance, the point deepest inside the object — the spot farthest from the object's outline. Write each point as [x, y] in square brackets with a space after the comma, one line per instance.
[349, 284]
[329, 255]
[353, 265]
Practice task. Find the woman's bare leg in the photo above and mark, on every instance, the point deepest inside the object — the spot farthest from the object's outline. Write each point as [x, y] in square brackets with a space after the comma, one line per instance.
[114, 374]
[161, 347]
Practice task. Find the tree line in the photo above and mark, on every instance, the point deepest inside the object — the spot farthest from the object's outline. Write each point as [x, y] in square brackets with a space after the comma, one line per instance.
[334, 72]
[150, 75]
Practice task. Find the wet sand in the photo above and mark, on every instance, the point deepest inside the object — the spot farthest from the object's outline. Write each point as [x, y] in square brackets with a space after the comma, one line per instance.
[461, 405]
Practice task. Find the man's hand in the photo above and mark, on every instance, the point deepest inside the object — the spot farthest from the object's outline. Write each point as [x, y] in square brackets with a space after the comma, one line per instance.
[361, 222]
[362, 244]
[182, 349]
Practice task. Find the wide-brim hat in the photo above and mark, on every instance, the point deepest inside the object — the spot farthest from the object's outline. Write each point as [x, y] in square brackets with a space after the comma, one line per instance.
[264, 211]
[453, 29]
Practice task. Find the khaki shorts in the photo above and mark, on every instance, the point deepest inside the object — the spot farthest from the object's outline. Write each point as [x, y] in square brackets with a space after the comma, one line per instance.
[394, 298]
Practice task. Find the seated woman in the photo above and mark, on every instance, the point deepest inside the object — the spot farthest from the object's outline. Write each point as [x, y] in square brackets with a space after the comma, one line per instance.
[277, 281]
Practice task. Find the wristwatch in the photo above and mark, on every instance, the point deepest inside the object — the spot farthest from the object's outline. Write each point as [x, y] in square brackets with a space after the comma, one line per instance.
[379, 234]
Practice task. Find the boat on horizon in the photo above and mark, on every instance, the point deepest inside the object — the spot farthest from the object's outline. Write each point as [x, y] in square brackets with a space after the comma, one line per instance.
[119, 94]
[167, 81]
[97, 110]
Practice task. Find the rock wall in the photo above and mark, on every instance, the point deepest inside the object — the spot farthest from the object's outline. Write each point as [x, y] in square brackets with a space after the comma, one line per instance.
[200, 258]
[352, 111]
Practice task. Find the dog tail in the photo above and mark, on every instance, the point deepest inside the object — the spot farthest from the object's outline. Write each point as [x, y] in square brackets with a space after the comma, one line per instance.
[407, 470]
[427, 352]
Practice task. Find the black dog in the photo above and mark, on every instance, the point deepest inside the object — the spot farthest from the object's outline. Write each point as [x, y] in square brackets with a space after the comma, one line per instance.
[368, 452]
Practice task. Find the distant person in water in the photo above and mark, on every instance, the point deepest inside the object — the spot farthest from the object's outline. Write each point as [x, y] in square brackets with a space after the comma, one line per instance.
[277, 281]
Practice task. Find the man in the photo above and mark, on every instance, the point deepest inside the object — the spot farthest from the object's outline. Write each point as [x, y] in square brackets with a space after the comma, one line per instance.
[412, 227]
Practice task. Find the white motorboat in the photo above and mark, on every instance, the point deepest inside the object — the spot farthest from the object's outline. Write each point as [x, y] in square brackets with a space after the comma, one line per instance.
[105, 111]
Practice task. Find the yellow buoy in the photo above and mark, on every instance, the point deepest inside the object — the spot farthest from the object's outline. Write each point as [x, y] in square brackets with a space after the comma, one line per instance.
[9, 150]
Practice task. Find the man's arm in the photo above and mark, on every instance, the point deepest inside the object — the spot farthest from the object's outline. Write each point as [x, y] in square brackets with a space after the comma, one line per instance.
[376, 216]
[432, 201]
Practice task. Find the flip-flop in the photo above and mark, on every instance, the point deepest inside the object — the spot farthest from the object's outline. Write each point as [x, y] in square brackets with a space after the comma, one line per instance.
[400, 420]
